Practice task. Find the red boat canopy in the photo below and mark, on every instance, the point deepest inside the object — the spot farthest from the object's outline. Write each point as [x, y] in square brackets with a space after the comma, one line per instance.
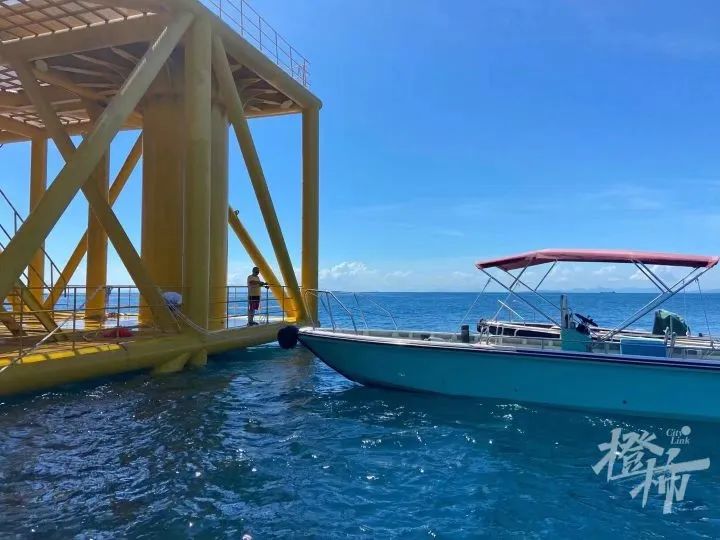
[533, 258]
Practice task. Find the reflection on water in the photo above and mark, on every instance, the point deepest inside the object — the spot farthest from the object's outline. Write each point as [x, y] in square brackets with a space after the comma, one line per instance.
[275, 444]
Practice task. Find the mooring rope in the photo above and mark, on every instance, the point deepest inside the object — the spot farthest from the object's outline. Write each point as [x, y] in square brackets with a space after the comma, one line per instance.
[192, 324]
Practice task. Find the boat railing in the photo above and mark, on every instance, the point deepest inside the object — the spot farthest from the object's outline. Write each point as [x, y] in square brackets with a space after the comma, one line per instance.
[350, 310]
[116, 313]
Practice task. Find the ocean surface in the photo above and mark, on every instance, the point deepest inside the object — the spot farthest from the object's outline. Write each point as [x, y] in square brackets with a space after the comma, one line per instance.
[274, 444]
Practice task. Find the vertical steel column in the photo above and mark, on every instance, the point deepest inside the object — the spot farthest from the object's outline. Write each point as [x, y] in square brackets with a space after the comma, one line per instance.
[198, 96]
[38, 183]
[163, 184]
[310, 205]
[218, 218]
[97, 246]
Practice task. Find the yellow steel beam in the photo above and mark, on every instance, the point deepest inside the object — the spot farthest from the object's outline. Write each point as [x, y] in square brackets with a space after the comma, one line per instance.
[38, 184]
[97, 238]
[21, 128]
[72, 129]
[218, 219]
[61, 81]
[252, 162]
[34, 306]
[85, 39]
[20, 100]
[81, 248]
[9, 321]
[258, 260]
[198, 96]
[75, 173]
[96, 199]
[80, 129]
[140, 5]
[23, 300]
[310, 206]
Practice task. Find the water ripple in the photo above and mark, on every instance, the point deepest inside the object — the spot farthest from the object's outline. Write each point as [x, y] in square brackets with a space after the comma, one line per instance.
[275, 444]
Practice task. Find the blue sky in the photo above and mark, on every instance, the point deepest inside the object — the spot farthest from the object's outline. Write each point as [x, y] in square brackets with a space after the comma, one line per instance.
[458, 131]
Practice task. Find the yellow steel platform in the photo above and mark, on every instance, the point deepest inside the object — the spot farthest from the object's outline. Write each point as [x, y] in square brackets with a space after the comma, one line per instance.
[186, 74]
[64, 362]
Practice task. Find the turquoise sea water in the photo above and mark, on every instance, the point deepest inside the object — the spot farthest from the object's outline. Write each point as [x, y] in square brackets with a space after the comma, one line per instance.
[274, 444]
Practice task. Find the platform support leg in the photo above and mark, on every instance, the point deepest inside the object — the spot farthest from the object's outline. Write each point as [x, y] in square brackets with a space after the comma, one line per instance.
[38, 184]
[218, 219]
[173, 365]
[196, 258]
[310, 206]
[97, 246]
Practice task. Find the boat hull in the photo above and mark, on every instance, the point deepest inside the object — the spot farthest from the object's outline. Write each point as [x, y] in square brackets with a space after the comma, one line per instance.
[644, 386]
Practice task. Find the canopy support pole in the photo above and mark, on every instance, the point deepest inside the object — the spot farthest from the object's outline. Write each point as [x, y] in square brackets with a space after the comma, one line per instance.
[659, 299]
[514, 294]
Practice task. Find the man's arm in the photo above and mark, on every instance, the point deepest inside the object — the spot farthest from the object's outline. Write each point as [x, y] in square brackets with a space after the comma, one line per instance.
[256, 280]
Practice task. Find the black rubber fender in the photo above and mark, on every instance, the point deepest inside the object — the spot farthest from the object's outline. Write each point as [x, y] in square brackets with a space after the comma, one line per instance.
[287, 337]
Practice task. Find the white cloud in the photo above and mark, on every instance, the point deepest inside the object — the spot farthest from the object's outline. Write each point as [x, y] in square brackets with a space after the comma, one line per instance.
[345, 269]
[666, 273]
[608, 274]
[238, 271]
[564, 273]
[605, 270]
